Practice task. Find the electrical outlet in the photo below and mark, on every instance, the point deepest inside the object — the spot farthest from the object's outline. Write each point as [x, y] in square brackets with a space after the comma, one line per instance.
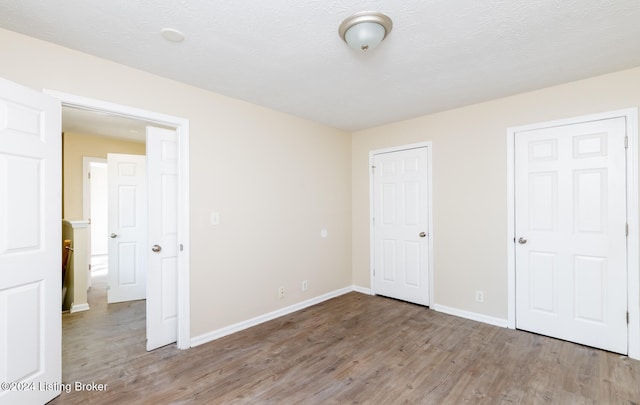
[479, 296]
[281, 292]
[305, 285]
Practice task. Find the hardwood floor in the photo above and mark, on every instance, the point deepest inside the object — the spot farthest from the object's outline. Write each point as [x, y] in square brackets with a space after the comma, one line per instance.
[352, 349]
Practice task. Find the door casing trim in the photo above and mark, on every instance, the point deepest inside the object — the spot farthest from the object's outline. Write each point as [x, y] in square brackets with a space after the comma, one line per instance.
[633, 248]
[182, 128]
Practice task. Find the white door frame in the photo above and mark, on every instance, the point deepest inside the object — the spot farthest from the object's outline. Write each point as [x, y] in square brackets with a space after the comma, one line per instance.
[633, 247]
[86, 184]
[372, 153]
[182, 128]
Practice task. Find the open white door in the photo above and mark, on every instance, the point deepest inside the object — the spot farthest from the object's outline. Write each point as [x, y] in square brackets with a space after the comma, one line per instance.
[401, 224]
[30, 245]
[162, 277]
[127, 178]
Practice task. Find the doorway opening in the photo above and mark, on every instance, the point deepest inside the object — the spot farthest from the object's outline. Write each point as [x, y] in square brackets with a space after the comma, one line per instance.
[181, 126]
[94, 175]
[98, 214]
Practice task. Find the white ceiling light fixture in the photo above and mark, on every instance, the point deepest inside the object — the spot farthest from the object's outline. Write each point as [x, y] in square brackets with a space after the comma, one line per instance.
[365, 30]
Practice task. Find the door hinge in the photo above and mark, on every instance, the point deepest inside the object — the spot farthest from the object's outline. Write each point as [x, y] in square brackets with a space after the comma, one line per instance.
[373, 169]
[89, 267]
[374, 272]
[626, 229]
[181, 247]
[627, 317]
[89, 175]
[626, 142]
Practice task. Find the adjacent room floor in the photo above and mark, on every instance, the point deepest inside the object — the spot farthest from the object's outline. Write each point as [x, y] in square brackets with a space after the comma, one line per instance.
[352, 349]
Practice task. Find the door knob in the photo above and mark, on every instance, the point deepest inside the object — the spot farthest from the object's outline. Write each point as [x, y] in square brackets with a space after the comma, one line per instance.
[156, 248]
[422, 234]
[113, 235]
[522, 241]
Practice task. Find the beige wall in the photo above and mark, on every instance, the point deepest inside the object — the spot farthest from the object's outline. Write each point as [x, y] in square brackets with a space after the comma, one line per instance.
[276, 180]
[470, 182]
[74, 148]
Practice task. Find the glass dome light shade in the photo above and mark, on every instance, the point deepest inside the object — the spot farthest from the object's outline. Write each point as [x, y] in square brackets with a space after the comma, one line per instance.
[365, 36]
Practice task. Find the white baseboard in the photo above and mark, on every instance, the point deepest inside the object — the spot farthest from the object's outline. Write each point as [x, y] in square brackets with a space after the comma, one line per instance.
[361, 290]
[228, 330]
[79, 308]
[237, 327]
[452, 311]
[474, 316]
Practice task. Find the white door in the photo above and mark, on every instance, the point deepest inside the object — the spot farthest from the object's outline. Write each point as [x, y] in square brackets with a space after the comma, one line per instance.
[163, 247]
[571, 270]
[401, 225]
[127, 178]
[30, 245]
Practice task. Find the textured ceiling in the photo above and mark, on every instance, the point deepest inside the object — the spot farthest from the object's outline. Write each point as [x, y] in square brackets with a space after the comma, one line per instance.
[287, 55]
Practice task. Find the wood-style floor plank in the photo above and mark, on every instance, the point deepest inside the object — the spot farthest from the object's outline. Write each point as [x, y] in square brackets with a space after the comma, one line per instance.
[354, 349]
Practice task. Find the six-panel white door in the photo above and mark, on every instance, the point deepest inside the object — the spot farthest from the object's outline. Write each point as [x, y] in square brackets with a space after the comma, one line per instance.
[570, 233]
[401, 225]
[162, 277]
[30, 245]
[127, 190]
